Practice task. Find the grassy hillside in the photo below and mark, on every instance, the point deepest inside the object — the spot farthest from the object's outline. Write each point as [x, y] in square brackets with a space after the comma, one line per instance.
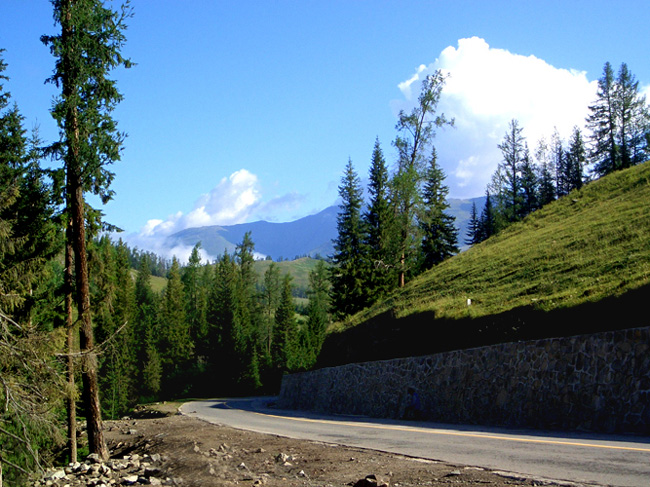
[299, 269]
[581, 263]
[158, 284]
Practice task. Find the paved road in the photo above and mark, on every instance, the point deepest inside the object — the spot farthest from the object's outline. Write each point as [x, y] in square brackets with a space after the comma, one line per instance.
[621, 461]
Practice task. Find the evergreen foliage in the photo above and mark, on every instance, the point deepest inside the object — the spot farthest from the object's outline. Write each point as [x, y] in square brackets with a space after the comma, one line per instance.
[86, 51]
[473, 227]
[508, 187]
[30, 383]
[378, 220]
[619, 122]
[348, 295]
[317, 310]
[439, 235]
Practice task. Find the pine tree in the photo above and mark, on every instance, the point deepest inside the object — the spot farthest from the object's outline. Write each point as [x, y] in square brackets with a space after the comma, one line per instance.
[529, 184]
[378, 223]
[146, 332]
[630, 108]
[487, 222]
[439, 235]
[317, 309]
[560, 162]
[413, 144]
[269, 298]
[32, 388]
[509, 194]
[195, 300]
[248, 315]
[604, 153]
[175, 342]
[285, 331]
[347, 272]
[87, 49]
[575, 161]
[473, 227]
[223, 328]
[546, 192]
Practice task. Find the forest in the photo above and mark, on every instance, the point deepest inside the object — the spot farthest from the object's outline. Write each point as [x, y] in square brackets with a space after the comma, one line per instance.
[84, 335]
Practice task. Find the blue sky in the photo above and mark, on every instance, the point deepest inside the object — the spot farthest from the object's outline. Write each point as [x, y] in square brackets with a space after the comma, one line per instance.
[247, 110]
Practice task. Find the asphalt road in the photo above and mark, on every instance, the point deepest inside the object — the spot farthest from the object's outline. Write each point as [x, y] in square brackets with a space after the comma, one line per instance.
[622, 461]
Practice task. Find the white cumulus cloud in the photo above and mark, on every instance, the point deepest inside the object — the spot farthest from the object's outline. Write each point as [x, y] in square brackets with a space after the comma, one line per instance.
[231, 201]
[487, 87]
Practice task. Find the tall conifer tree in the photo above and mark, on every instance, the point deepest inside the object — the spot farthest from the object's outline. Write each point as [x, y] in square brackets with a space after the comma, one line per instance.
[347, 271]
[378, 224]
[87, 50]
[509, 192]
[604, 153]
[473, 227]
[439, 235]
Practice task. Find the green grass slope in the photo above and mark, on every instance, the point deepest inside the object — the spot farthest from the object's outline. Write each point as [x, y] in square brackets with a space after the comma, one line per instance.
[581, 264]
[299, 270]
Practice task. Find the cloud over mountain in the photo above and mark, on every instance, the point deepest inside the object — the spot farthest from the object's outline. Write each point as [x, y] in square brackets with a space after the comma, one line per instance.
[487, 87]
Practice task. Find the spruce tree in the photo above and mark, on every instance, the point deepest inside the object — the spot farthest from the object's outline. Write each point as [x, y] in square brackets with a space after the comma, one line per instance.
[224, 333]
[560, 161]
[317, 309]
[604, 152]
[347, 271]
[379, 267]
[630, 113]
[509, 194]
[87, 50]
[439, 235]
[487, 222]
[146, 330]
[195, 299]
[175, 342]
[269, 298]
[529, 184]
[285, 330]
[248, 315]
[473, 227]
[575, 161]
[31, 385]
[546, 192]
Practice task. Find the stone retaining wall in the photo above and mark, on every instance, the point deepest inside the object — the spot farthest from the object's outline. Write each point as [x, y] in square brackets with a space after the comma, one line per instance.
[597, 382]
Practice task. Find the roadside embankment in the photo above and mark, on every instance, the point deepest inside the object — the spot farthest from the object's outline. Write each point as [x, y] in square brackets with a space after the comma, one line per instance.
[598, 382]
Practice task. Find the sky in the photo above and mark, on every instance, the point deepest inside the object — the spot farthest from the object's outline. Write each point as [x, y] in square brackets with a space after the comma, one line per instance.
[238, 111]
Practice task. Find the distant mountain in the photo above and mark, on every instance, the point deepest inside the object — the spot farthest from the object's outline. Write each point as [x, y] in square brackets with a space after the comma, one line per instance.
[311, 235]
[308, 236]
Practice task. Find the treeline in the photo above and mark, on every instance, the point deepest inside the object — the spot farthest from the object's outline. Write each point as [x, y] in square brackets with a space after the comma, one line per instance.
[213, 329]
[618, 138]
[404, 230]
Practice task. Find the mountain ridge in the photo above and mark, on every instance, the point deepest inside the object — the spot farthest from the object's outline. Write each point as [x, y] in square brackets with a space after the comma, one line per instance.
[308, 236]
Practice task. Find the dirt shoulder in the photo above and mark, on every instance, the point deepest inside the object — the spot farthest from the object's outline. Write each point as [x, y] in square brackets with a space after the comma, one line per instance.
[196, 453]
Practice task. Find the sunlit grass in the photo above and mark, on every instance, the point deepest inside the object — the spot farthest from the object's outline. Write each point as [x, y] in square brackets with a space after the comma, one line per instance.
[584, 247]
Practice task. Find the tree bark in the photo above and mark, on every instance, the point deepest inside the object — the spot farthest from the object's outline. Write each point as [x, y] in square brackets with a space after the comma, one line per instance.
[71, 399]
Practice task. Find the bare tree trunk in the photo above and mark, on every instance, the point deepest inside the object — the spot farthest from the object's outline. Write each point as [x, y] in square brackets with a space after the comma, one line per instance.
[71, 399]
[96, 441]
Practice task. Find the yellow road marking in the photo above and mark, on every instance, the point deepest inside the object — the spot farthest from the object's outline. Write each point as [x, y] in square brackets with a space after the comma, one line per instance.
[458, 433]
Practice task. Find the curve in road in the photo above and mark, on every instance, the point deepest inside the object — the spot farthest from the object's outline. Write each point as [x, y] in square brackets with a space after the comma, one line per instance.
[622, 461]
